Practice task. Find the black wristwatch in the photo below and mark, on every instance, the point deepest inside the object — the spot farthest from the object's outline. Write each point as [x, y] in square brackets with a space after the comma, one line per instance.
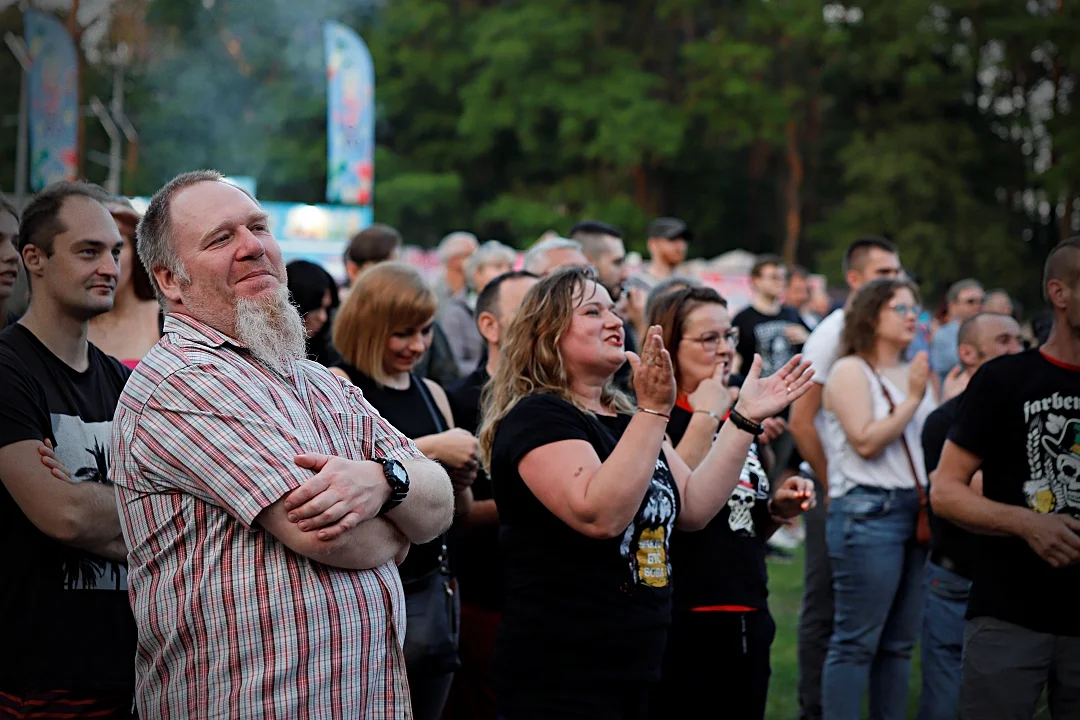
[398, 480]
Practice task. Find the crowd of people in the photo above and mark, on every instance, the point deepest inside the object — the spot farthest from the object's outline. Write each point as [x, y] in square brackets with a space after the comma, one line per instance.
[538, 488]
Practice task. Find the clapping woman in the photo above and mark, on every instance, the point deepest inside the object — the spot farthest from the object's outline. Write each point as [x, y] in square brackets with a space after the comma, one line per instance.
[721, 631]
[589, 492]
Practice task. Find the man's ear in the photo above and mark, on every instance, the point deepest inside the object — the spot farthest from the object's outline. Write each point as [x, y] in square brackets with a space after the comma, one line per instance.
[488, 325]
[169, 283]
[1058, 293]
[968, 354]
[34, 259]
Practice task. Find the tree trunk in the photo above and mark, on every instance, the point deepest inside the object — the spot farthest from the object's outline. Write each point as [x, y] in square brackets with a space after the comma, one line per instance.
[792, 195]
[80, 121]
[758, 165]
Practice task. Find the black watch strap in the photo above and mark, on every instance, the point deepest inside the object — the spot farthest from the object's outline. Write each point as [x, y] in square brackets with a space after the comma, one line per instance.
[745, 424]
[398, 492]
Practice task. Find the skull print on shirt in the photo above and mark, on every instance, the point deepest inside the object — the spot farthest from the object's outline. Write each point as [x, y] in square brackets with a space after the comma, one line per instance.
[1053, 453]
[753, 487]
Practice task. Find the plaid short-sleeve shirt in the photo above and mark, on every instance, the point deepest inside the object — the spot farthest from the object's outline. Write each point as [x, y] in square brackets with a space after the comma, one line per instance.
[232, 623]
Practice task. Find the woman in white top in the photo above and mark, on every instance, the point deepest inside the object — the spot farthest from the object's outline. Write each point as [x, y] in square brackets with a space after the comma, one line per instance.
[875, 405]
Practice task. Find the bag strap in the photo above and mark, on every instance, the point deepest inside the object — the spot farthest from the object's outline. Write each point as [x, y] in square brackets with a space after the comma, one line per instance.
[429, 402]
[440, 426]
[903, 439]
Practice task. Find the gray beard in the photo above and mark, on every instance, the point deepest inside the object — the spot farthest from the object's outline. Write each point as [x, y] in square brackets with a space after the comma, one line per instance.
[272, 330]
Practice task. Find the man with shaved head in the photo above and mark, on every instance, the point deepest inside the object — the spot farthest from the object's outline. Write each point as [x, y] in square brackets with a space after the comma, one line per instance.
[953, 550]
[1019, 423]
[263, 500]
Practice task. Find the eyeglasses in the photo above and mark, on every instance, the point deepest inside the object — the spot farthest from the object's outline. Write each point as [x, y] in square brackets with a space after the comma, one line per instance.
[711, 341]
[904, 309]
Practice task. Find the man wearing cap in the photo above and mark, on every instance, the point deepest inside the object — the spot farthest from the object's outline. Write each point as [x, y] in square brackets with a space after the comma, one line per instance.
[667, 250]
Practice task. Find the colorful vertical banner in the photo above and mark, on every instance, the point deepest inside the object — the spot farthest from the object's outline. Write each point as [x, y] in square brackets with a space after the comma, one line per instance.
[350, 117]
[54, 100]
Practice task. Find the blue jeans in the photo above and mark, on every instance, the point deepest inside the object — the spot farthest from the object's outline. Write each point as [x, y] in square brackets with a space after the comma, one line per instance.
[942, 642]
[878, 595]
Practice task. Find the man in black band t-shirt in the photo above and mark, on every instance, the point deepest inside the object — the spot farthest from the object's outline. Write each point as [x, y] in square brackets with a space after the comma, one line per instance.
[69, 640]
[766, 327]
[477, 534]
[1019, 421]
[953, 550]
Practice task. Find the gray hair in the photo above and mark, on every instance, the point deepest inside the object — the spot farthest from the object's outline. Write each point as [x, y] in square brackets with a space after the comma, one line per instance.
[537, 254]
[490, 253]
[154, 234]
[953, 293]
[449, 244]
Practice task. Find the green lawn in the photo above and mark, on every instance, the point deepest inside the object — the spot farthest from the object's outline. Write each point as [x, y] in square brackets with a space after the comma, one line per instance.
[785, 594]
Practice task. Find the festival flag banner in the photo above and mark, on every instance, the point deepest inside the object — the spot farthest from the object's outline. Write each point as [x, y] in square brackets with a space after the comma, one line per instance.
[350, 117]
[54, 100]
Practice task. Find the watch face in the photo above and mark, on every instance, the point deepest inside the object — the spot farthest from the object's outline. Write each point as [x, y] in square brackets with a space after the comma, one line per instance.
[398, 471]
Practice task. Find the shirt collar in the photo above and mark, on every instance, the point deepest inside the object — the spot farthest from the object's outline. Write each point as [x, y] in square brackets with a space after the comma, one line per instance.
[196, 331]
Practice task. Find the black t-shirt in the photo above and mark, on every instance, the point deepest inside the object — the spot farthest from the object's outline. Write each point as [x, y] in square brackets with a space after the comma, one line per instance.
[414, 414]
[1021, 416]
[948, 540]
[67, 621]
[724, 562]
[578, 610]
[476, 559]
[764, 334]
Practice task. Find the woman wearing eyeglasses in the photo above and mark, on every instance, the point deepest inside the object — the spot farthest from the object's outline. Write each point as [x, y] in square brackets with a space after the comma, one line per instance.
[874, 406]
[721, 630]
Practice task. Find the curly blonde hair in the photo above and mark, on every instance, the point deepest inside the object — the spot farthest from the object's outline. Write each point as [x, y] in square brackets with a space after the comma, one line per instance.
[530, 361]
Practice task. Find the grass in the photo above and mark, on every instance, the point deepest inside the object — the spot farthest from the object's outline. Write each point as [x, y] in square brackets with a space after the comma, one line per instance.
[785, 596]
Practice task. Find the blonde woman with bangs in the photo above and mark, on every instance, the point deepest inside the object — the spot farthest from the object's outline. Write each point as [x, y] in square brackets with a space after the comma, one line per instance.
[382, 331]
[589, 492]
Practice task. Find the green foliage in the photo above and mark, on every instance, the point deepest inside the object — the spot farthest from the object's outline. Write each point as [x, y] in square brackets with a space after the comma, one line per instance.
[947, 126]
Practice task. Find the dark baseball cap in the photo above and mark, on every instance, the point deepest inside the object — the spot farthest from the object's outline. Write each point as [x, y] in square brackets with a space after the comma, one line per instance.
[670, 228]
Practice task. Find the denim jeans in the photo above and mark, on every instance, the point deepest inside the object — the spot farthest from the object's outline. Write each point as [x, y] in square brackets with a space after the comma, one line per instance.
[942, 642]
[878, 594]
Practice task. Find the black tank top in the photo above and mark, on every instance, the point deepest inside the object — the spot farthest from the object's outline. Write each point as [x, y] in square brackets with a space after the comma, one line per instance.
[414, 413]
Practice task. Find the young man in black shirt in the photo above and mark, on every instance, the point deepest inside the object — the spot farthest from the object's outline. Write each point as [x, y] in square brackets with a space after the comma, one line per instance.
[953, 550]
[1019, 422]
[774, 332]
[69, 645]
[9, 259]
[477, 534]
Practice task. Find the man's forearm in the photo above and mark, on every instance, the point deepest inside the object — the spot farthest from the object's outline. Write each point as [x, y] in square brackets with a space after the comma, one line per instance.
[94, 519]
[428, 509]
[368, 545]
[958, 502]
[114, 550]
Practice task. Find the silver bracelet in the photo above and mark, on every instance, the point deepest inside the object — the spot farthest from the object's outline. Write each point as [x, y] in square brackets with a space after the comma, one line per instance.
[657, 413]
[713, 415]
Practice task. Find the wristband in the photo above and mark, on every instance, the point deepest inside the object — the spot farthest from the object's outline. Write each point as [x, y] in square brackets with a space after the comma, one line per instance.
[657, 413]
[745, 424]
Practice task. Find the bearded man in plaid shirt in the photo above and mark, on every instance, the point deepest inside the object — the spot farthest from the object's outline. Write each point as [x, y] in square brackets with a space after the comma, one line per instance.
[262, 499]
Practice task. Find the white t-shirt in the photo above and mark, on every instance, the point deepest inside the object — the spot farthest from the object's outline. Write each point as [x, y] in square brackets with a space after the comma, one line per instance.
[821, 349]
[890, 469]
